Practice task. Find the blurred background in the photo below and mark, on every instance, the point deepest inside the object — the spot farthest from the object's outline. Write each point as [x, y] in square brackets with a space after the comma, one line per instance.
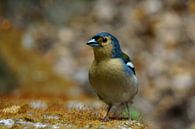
[42, 50]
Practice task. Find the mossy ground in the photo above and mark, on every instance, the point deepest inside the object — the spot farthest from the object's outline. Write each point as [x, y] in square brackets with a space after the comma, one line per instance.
[29, 111]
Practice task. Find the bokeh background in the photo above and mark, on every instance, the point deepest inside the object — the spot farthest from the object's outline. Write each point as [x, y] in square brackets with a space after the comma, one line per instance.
[42, 50]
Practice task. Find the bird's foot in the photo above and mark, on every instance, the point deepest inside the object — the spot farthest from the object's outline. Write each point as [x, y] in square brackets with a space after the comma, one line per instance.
[120, 118]
[105, 119]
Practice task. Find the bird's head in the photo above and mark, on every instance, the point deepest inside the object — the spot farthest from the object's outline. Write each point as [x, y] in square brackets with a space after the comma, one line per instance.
[105, 45]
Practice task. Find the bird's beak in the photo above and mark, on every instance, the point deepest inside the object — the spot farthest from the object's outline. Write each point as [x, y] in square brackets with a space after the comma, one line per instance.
[93, 43]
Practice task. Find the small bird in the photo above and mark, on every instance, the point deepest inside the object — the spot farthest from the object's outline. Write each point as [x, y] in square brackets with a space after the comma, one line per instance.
[112, 73]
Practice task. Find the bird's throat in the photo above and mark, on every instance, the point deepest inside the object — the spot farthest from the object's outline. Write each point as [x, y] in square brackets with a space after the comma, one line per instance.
[101, 54]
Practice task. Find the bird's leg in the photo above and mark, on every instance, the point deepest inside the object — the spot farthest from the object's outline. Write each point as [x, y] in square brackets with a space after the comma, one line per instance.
[106, 118]
[127, 106]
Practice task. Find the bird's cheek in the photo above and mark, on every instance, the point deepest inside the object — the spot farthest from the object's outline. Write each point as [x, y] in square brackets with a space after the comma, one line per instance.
[108, 43]
[108, 47]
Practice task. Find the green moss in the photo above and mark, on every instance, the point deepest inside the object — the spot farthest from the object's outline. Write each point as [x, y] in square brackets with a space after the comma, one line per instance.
[135, 114]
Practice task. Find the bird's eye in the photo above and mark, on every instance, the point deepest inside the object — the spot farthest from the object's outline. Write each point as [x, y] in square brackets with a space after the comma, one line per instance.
[104, 39]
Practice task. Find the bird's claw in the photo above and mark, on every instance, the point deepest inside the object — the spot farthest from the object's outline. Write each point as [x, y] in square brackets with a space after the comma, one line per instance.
[105, 119]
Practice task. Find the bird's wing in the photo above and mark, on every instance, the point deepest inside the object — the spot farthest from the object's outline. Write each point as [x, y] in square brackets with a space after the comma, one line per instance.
[128, 61]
